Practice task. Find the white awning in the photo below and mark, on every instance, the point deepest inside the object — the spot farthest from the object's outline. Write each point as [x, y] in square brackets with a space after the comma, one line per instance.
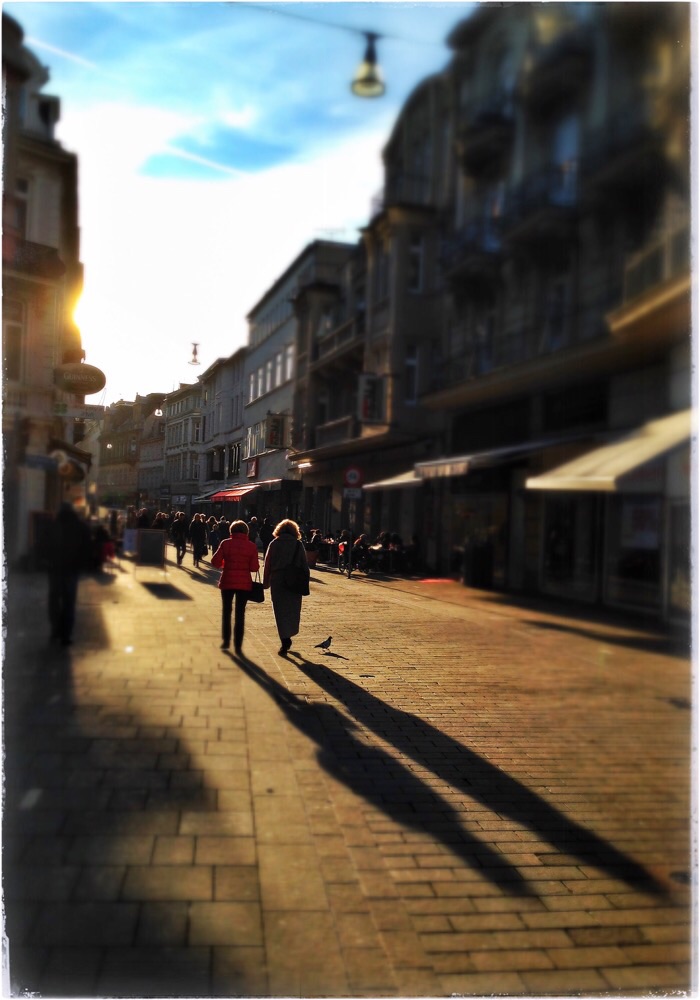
[461, 465]
[604, 468]
[402, 481]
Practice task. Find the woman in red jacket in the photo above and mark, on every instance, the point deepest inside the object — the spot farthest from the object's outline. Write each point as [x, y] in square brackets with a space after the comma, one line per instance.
[237, 557]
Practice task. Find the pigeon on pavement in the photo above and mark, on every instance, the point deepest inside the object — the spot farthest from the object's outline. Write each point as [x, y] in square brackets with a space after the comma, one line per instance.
[325, 644]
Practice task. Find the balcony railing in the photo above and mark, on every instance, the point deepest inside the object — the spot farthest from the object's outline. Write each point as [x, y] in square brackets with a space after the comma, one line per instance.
[32, 258]
[477, 247]
[542, 207]
[667, 259]
[337, 431]
[345, 337]
[487, 131]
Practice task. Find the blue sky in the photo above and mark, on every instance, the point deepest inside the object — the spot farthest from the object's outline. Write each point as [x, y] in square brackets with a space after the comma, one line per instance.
[215, 140]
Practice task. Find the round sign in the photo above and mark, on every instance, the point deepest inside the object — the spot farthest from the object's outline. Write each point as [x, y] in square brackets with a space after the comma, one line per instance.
[79, 379]
[353, 476]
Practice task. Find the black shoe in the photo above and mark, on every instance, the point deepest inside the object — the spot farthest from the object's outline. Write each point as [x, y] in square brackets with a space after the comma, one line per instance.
[225, 645]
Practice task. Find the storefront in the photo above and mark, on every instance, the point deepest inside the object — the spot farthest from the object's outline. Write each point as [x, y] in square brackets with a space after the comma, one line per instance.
[617, 521]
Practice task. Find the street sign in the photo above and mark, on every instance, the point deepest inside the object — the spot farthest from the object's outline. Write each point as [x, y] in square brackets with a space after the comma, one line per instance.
[352, 493]
[88, 411]
[79, 378]
[353, 476]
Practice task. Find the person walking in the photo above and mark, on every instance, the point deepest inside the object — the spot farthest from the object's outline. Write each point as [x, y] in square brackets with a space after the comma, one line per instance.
[198, 537]
[69, 555]
[178, 533]
[285, 549]
[266, 533]
[237, 557]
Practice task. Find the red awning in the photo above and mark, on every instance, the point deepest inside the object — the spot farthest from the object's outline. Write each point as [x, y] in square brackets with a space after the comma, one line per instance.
[231, 495]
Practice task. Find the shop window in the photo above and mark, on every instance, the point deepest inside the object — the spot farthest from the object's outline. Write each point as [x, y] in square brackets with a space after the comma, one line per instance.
[569, 555]
[633, 571]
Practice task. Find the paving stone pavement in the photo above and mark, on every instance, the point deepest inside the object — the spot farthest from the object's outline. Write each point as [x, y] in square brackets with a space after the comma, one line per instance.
[465, 795]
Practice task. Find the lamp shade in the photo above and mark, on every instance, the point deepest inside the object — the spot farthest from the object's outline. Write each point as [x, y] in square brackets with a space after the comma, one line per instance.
[368, 78]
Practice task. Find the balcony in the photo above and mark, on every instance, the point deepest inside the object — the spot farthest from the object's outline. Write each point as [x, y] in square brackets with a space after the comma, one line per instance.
[485, 138]
[473, 256]
[403, 189]
[624, 155]
[560, 70]
[656, 304]
[541, 212]
[335, 346]
[337, 431]
[33, 259]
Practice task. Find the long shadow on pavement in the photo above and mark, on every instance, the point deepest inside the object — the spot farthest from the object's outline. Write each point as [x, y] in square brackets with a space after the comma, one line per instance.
[91, 789]
[668, 645]
[475, 777]
[385, 781]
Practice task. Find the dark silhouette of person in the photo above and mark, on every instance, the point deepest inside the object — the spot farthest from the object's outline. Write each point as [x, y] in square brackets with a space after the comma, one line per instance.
[69, 555]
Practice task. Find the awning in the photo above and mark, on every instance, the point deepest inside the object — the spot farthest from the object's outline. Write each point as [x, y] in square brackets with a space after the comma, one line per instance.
[83, 457]
[604, 468]
[229, 496]
[402, 481]
[461, 465]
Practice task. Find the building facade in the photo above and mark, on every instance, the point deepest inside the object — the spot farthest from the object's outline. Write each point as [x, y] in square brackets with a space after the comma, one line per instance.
[42, 280]
[223, 388]
[183, 437]
[272, 369]
[568, 325]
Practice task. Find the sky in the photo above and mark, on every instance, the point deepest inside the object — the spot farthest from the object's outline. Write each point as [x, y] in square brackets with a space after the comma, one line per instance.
[214, 142]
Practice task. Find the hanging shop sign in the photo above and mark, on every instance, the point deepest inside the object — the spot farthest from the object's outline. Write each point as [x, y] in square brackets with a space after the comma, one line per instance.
[79, 379]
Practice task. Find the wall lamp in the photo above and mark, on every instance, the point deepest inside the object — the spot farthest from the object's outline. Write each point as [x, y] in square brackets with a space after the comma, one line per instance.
[368, 78]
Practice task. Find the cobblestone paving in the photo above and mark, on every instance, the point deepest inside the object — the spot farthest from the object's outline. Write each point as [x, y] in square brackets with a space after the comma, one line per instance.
[463, 796]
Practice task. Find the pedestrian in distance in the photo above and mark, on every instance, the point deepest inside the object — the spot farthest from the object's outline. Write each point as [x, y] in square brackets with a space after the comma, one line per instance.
[266, 533]
[69, 554]
[253, 529]
[237, 557]
[178, 533]
[198, 537]
[286, 549]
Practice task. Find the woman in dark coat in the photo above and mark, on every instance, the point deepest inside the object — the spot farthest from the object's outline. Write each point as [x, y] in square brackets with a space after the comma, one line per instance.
[284, 550]
[237, 557]
[198, 537]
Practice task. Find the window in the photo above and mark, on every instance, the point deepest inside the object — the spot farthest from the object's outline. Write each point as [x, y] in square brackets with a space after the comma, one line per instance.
[251, 387]
[12, 338]
[411, 375]
[278, 368]
[415, 263]
[288, 362]
[268, 376]
[234, 460]
[260, 381]
[196, 430]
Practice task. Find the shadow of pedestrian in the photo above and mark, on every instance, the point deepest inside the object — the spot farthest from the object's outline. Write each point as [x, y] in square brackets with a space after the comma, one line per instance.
[473, 775]
[98, 876]
[384, 781]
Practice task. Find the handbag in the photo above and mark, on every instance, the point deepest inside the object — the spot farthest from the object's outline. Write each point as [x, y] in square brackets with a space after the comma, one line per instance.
[257, 594]
[296, 578]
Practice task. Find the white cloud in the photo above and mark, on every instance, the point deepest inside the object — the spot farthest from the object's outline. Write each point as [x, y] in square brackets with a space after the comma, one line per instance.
[168, 262]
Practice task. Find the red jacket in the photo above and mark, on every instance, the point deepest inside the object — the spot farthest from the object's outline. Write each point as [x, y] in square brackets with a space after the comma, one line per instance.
[239, 558]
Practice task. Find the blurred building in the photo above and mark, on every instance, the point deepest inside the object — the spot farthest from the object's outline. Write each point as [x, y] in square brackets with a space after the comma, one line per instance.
[183, 435]
[273, 366]
[221, 467]
[565, 356]
[42, 279]
[130, 468]
[520, 301]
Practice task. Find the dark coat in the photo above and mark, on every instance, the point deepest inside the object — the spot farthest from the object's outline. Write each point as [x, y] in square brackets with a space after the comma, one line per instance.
[69, 544]
[282, 552]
